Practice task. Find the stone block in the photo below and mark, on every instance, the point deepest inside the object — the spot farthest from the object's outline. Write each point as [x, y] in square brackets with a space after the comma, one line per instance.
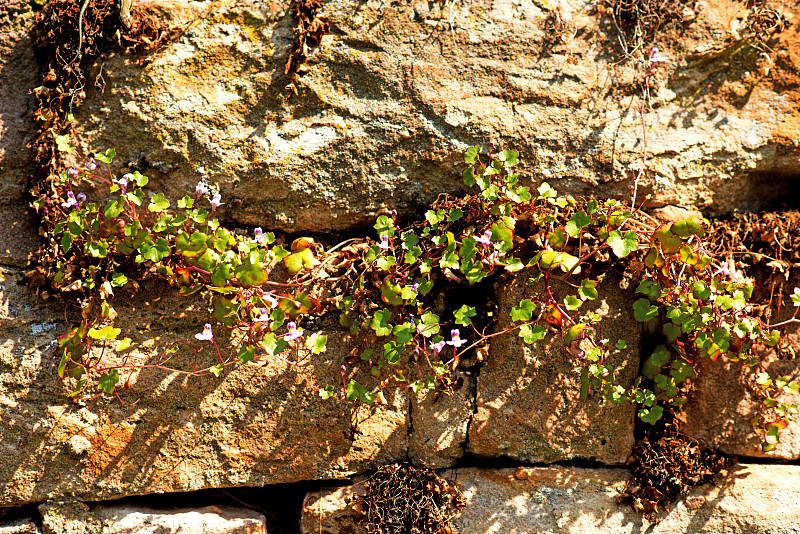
[79, 518]
[528, 404]
[748, 499]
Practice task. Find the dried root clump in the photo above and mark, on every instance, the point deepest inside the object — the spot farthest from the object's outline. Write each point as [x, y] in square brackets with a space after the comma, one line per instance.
[402, 499]
[668, 464]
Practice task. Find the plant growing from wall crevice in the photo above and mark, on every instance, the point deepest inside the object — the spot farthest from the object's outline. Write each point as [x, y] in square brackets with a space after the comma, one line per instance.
[389, 293]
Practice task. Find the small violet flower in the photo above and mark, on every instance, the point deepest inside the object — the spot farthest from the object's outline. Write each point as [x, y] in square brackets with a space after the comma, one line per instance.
[216, 201]
[259, 235]
[92, 165]
[456, 340]
[123, 182]
[72, 172]
[264, 317]
[437, 347]
[724, 271]
[485, 239]
[294, 332]
[71, 200]
[384, 244]
[415, 286]
[201, 189]
[81, 198]
[656, 57]
[206, 334]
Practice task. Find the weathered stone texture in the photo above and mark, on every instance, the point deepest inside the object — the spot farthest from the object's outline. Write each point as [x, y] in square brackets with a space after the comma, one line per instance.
[391, 102]
[21, 526]
[79, 518]
[18, 72]
[258, 424]
[528, 404]
[750, 499]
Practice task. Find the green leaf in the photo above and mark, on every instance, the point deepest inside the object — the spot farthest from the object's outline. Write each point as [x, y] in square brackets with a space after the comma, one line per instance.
[671, 331]
[584, 384]
[510, 157]
[621, 344]
[385, 226]
[545, 191]
[471, 155]
[588, 289]
[572, 302]
[574, 332]
[622, 245]
[503, 235]
[463, 315]
[62, 144]
[380, 322]
[391, 293]
[107, 156]
[118, 280]
[651, 415]
[687, 227]
[356, 392]
[155, 251]
[158, 203]
[524, 311]
[454, 214]
[681, 370]
[550, 259]
[108, 332]
[531, 333]
[226, 311]
[643, 311]
[409, 239]
[108, 381]
[273, 344]
[216, 370]
[317, 343]
[430, 324]
[246, 353]
[468, 176]
[557, 238]
[404, 333]
[302, 259]
[578, 221]
[98, 249]
[392, 352]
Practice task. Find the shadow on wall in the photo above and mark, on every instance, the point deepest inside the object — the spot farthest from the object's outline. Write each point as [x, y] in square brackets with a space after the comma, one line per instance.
[257, 424]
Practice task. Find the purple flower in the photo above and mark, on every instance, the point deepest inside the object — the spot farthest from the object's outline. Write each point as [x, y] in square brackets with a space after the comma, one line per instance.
[723, 270]
[81, 198]
[485, 239]
[437, 347]
[415, 286]
[200, 189]
[72, 172]
[384, 244]
[656, 57]
[216, 201]
[123, 182]
[71, 200]
[259, 235]
[206, 334]
[92, 165]
[294, 332]
[456, 340]
[264, 317]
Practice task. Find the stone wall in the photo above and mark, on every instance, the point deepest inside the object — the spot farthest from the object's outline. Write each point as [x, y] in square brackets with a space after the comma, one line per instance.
[394, 96]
